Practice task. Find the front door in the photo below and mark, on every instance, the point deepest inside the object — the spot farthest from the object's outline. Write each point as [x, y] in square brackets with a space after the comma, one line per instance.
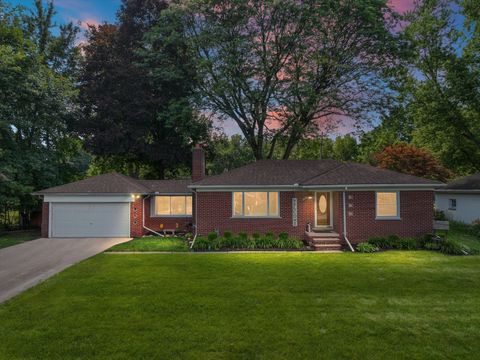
[323, 214]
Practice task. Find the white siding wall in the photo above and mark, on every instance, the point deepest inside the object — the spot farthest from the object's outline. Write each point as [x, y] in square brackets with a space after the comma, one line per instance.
[468, 206]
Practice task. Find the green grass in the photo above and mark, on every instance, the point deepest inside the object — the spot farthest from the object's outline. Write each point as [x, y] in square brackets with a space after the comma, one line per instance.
[152, 243]
[392, 305]
[15, 238]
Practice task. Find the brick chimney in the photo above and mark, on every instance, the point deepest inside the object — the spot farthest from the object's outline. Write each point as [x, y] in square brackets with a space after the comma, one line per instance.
[198, 163]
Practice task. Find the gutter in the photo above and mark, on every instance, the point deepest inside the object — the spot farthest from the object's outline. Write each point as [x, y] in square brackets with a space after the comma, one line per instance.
[143, 218]
[345, 221]
[195, 219]
[320, 187]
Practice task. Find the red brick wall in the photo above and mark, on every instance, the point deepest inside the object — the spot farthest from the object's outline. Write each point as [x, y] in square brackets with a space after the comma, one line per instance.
[215, 212]
[44, 226]
[416, 209]
[416, 215]
[136, 225]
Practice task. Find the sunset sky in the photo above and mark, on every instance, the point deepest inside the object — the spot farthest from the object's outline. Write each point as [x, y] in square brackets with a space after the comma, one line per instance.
[97, 11]
[94, 12]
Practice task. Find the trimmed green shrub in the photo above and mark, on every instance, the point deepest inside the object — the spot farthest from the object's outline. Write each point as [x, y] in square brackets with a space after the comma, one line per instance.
[406, 244]
[243, 235]
[379, 242]
[366, 247]
[283, 236]
[434, 246]
[201, 243]
[227, 235]
[256, 235]
[212, 236]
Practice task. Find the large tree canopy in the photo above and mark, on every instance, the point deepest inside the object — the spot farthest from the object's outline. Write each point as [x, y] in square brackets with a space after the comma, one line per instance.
[135, 93]
[277, 67]
[439, 83]
[37, 100]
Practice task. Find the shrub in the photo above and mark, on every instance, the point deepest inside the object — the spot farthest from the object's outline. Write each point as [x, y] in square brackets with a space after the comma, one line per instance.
[439, 215]
[407, 244]
[243, 235]
[201, 243]
[283, 236]
[431, 246]
[227, 235]
[291, 243]
[366, 247]
[452, 247]
[265, 242]
[212, 236]
[256, 235]
[379, 242]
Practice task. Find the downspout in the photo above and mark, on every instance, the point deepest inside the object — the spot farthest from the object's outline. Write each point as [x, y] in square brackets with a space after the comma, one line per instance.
[143, 218]
[345, 221]
[195, 219]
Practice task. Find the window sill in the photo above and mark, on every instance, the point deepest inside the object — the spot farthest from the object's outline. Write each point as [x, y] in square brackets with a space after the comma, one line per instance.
[255, 217]
[171, 216]
[452, 209]
[388, 218]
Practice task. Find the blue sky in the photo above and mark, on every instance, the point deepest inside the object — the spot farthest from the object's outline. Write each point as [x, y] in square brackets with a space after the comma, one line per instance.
[84, 11]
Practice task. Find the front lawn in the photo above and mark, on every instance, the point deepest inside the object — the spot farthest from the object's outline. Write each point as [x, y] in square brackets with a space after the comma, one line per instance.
[410, 305]
[152, 243]
[464, 238]
[17, 237]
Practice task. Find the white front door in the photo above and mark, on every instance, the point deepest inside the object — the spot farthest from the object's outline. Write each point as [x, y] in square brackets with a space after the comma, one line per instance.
[90, 220]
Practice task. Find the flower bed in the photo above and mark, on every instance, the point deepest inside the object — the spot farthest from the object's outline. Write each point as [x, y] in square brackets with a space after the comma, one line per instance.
[242, 241]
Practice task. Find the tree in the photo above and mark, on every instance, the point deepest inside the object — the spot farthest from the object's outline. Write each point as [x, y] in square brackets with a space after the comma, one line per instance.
[135, 93]
[224, 153]
[345, 148]
[37, 100]
[279, 67]
[439, 83]
[411, 160]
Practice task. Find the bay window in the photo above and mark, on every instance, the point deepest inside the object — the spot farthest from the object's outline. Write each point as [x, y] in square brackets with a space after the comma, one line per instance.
[255, 204]
[388, 205]
[174, 205]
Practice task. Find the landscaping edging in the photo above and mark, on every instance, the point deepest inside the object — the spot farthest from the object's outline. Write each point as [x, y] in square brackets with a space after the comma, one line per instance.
[225, 252]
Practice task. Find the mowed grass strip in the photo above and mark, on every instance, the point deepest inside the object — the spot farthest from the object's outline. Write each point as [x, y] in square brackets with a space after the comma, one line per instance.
[17, 237]
[402, 305]
[152, 243]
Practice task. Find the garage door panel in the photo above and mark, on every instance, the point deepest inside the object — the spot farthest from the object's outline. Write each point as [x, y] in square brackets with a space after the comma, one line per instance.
[90, 220]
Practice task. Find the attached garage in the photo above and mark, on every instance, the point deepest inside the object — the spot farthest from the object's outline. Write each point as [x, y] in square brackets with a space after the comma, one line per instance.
[89, 219]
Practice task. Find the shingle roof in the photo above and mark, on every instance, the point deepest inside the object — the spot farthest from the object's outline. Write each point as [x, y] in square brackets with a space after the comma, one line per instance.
[310, 173]
[471, 182]
[111, 183]
[167, 186]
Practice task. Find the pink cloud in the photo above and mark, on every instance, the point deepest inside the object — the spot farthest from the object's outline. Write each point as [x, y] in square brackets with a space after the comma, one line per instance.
[89, 21]
[401, 5]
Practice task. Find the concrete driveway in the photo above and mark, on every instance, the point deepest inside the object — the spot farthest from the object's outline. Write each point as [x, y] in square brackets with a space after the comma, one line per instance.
[25, 265]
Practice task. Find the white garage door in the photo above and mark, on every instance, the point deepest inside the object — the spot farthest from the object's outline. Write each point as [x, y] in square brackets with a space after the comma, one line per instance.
[90, 219]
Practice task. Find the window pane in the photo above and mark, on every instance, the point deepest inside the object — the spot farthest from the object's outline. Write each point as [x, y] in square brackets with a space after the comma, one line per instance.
[178, 205]
[255, 204]
[237, 204]
[162, 205]
[273, 202]
[387, 204]
[189, 205]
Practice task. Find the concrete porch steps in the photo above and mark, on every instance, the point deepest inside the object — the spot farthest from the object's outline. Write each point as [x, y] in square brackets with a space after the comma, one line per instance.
[324, 241]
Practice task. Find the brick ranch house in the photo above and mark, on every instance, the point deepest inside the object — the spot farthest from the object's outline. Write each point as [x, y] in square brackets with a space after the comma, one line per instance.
[301, 197]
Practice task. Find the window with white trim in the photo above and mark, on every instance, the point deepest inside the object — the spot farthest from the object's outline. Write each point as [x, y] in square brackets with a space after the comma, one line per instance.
[255, 204]
[387, 205]
[175, 205]
[452, 204]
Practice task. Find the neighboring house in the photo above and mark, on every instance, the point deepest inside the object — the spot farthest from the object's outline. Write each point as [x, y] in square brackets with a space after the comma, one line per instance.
[460, 199]
[350, 200]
